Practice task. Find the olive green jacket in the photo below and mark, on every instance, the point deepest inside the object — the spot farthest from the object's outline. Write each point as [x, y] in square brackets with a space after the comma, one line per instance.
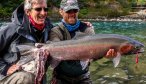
[70, 68]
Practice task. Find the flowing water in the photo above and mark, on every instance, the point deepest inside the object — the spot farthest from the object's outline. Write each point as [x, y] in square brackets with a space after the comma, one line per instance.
[127, 72]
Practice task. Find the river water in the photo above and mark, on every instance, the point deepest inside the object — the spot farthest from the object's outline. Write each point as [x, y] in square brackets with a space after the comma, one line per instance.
[127, 72]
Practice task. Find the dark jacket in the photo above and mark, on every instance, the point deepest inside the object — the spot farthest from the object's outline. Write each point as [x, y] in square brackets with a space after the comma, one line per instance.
[17, 32]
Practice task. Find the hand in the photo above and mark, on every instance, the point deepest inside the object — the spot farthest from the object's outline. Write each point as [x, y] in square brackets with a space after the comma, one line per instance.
[88, 24]
[13, 68]
[42, 51]
[39, 45]
[111, 53]
[46, 52]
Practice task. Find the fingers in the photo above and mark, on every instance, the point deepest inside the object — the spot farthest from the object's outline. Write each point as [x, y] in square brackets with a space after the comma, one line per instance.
[38, 45]
[111, 53]
[41, 51]
[44, 52]
[13, 68]
[88, 24]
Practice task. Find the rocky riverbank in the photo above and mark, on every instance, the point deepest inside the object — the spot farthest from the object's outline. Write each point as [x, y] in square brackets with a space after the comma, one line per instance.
[132, 17]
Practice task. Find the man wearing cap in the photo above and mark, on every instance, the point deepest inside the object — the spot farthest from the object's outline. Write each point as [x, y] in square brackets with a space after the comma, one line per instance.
[71, 72]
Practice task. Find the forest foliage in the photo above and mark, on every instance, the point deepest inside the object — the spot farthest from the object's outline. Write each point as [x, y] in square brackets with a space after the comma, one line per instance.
[88, 8]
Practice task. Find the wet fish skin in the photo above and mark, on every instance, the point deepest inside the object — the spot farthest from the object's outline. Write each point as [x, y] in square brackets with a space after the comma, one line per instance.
[87, 47]
[93, 47]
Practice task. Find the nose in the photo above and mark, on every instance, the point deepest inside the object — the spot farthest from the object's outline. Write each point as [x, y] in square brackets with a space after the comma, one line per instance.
[43, 12]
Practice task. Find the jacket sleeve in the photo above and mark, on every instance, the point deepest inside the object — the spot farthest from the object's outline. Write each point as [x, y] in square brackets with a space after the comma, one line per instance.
[55, 34]
[6, 34]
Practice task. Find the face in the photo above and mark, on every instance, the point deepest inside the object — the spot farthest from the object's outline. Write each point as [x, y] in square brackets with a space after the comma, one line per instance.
[70, 16]
[38, 12]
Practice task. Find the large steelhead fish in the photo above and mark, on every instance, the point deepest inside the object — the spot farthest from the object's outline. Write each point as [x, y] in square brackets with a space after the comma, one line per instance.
[87, 47]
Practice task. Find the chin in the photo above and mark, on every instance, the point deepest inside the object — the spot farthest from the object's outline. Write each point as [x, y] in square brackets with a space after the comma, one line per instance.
[42, 22]
[72, 22]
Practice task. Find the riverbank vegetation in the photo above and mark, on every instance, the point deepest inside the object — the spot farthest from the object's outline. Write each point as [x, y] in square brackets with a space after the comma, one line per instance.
[89, 8]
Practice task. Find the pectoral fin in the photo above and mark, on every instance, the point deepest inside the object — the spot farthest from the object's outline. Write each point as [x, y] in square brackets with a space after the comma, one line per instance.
[117, 59]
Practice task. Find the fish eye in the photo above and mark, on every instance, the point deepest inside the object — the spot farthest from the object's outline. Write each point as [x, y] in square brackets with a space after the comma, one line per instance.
[136, 47]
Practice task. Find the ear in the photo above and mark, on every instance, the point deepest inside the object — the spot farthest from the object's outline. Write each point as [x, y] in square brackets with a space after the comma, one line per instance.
[27, 12]
[61, 11]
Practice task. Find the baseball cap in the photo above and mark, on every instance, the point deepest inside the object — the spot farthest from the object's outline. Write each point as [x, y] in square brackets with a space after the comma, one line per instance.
[67, 5]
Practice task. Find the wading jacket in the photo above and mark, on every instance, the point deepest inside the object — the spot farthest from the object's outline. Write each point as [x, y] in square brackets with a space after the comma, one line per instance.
[70, 68]
[18, 31]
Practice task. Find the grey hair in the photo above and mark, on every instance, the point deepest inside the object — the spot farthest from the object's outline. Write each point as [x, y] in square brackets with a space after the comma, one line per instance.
[28, 3]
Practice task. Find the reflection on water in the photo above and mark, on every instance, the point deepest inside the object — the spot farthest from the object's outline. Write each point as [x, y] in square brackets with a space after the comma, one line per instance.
[127, 72]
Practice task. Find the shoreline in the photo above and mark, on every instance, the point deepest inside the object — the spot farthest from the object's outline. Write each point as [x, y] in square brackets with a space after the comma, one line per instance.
[99, 18]
[132, 17]
[113, 19]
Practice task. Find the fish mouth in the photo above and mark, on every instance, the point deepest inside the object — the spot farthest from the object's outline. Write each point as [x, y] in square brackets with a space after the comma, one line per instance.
[136, 51]
[141, 50]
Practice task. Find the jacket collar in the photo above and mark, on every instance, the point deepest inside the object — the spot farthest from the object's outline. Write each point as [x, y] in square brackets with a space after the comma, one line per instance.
[27, 31]
[21, 20]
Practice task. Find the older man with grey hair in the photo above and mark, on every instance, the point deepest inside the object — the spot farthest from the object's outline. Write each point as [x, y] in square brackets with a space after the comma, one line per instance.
[29, 25]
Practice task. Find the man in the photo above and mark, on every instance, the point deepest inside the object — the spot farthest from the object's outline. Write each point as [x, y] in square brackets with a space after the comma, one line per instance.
[29, 25]
[71, 72]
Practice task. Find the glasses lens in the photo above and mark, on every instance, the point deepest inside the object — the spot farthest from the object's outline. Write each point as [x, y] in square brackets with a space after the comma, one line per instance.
[40, 9]
[45, 9]
[72, 11]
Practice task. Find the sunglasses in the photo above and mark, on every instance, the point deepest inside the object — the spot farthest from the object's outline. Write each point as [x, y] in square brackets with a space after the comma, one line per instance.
[72, 11]
[40, 9]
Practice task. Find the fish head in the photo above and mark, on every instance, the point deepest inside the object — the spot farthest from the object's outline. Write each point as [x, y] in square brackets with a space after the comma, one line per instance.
[137, 47]
[133, 47]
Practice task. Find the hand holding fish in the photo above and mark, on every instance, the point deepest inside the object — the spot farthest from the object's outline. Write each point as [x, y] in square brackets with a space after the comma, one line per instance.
[45, 52]
[41, 61]
[111, 53]
[13, 68]
[88, 24]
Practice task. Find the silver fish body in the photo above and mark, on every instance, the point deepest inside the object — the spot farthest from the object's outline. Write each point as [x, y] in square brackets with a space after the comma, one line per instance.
[93, 47]
[86, 47]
